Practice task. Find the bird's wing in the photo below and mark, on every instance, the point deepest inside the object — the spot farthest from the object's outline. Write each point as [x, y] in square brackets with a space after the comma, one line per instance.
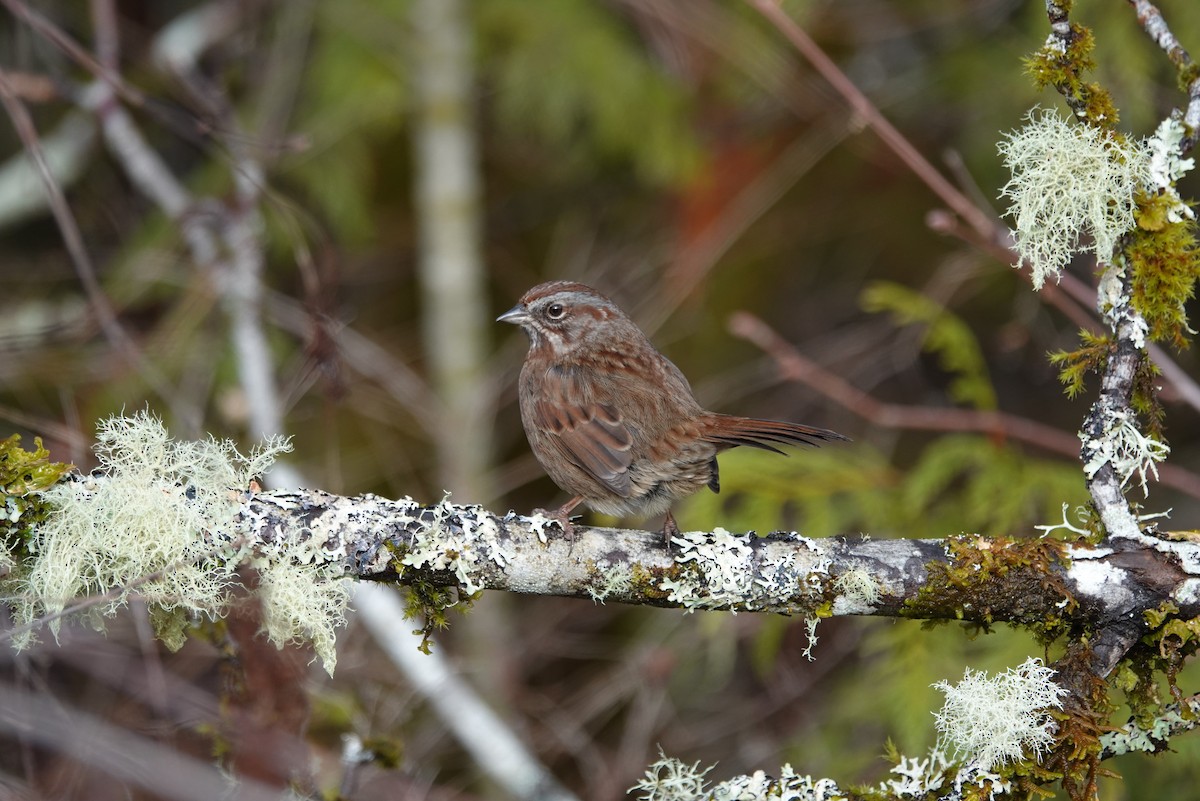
[589, 433]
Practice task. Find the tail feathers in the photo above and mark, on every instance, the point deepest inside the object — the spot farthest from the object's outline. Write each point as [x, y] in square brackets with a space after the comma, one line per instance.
[726, 431]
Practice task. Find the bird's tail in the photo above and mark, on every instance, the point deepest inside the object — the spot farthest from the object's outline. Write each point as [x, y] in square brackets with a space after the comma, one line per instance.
[726, 431]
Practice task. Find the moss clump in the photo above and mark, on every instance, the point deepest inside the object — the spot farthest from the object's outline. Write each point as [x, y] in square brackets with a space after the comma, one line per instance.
[1084, 717]
[1165, 263]
[24, 475]
[1075, 365]
[1062, 63]
[428, 602]
[1021, 576]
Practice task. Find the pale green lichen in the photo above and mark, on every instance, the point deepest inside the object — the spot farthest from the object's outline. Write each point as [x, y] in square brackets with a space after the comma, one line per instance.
[159, 520]
[304, 603]
[1066, 525]
[1070, 179]
[615, 579]
[858, 592]
[148, 519]
[669, 779]
[991, 721]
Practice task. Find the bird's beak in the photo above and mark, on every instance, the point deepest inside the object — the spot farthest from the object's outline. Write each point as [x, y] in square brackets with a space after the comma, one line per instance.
[517, 315]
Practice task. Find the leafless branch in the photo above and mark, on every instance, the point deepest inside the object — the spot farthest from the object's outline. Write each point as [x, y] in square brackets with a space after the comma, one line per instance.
[795, 366]
[1151, 20]
[73, 239]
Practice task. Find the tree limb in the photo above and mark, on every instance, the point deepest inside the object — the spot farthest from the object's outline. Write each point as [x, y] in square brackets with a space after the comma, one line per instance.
[975, 579]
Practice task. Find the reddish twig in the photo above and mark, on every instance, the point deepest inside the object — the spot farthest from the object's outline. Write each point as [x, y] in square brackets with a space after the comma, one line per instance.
[984, 230]
[796, 367]
[983, 223]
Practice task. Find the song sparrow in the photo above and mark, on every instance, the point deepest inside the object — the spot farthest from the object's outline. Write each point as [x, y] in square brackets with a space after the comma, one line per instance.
[612, 420]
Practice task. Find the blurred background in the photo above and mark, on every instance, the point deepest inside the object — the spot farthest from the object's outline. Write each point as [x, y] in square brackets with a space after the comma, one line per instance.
[302, 217]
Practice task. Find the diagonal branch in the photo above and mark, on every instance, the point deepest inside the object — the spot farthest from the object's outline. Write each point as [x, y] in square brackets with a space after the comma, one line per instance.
[73, 239]
[1151, 20]
[796, 367]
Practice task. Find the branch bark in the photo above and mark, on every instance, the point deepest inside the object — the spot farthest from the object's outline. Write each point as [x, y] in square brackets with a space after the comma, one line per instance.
[969, 578]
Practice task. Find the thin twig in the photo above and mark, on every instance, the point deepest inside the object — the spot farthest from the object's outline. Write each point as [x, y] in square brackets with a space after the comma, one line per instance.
[1151, 20]
[73, 239]
[988, 233]
[78, 53]
[984, 224]
[795, 366]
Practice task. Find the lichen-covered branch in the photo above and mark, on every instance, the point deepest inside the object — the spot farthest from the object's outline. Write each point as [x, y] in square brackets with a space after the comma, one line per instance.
[1151, 20]
[1043, 583]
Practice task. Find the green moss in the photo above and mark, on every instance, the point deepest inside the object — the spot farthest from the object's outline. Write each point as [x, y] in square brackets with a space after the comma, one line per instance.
[1187, 76]
[999, 573]
[428, 602]
[1165, 265]
[1075, 365]
[1155, 662]
[23, 476]
[1084, 717]
[1064, 71]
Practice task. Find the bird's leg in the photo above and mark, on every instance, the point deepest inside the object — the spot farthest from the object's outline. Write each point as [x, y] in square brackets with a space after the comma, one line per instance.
[563, 515]
[670, 528]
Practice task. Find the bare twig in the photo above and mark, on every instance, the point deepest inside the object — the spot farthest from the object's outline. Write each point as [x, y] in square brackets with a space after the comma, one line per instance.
[163, 771]
[77, 52]
[66, 149]
[983, 223]
[450, 266]
[1151, 20]
[73, 239]
[31, 87]
[984, 230]
[107, 38]
[797, 367]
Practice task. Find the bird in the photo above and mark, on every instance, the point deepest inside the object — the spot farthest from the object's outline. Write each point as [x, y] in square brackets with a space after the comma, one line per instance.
[614, 422]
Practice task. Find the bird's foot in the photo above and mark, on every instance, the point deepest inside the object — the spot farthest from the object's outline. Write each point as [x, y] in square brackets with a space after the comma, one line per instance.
[562, 516]
[670, 529]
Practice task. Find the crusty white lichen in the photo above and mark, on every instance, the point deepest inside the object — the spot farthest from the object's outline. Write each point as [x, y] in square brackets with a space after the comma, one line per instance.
[461, 539]
[1069, 180]
[669, 779]
[1130, 451]
[993, 720]
[1151, 739]
[1167, 165]
[732, 573]
[916, 778]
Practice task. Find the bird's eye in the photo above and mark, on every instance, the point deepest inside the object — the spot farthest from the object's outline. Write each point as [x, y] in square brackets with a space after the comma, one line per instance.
[555, 311]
